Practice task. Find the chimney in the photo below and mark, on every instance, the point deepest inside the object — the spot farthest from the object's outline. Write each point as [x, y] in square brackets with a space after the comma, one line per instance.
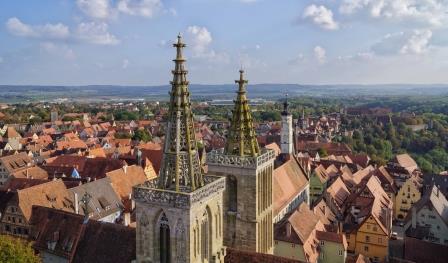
[76, 204]
[125, 168]
[27, 175]
[414, 218]
[288, 229]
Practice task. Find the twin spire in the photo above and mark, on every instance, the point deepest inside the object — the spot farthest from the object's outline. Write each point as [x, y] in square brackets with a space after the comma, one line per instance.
[242, 139]
[181, 169]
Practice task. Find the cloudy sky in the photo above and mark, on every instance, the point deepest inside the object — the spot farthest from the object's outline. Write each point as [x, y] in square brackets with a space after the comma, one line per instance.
[128, 42]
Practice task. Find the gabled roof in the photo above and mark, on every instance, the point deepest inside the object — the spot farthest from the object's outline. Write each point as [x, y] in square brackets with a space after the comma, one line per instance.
[103, 200]
[113, 243]
[303, 221]
[52, 194]
[34, 172]
[289, 180]
[81, 241]
[338, 193]
[332, 237]
[406, 161]
[124, 179]
[323, 211]
[434, 199]
[11, 133]
[321, 173]
[15, 162]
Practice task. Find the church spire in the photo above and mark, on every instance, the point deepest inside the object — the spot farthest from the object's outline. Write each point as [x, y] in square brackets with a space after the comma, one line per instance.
[180, 170]
[285, 106]
[242, 139]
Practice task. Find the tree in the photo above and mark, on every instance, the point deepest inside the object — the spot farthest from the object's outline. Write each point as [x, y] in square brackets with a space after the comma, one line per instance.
[142, 135]
[323, 152]
[14, 250]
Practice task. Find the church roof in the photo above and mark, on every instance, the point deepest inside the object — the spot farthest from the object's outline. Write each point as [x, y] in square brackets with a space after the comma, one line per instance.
[288, 181]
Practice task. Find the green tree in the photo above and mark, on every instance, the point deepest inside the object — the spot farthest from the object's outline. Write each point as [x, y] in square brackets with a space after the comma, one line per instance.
[14, 250]
[323, 152]
[142, 135]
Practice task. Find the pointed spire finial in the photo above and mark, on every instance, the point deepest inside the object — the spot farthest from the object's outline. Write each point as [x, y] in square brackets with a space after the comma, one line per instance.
[242, 139]
[285, 105]
[241, 82]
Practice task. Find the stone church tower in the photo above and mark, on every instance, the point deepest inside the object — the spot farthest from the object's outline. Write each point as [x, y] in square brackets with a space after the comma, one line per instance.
[248, 169]
[286, 133]
[180, 213]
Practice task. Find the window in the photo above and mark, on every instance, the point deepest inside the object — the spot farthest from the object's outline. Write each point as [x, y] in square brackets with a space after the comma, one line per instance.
[375, 228]
[380, 240]
[376, 259]
[322, 242]
[367, 239]
[366, 248]
[7, 228]
[340, 252]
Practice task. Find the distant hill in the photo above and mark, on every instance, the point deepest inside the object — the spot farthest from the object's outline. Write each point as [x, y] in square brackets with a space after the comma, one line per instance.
[14, 94]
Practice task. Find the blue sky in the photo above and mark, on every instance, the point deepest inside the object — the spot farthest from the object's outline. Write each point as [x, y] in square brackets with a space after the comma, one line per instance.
[128, 42]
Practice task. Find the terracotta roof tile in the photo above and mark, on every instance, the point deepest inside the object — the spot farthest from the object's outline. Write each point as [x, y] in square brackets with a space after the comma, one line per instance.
[288, 180]
[51, 194]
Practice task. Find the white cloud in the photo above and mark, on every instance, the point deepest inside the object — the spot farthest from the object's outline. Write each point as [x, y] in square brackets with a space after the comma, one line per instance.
[145, 8]
[360, 56]
[96, 33]
[48, 31]
[411, 42]
[125, 64]
[60, 51]
[94, 8]
[320, 54]
[433, 12]
[257, 47]
[320, 16]
[200, 39]
[246, 61]
[417, 43]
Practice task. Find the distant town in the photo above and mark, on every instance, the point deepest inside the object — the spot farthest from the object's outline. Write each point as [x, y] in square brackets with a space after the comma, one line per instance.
[292, 179]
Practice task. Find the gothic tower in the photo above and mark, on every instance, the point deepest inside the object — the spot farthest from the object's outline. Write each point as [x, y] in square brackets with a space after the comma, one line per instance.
[248, 169]
[286, 134]
[179, 214]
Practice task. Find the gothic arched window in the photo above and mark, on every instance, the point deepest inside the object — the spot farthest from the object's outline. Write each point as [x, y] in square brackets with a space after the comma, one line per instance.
[205, 236]
[233, 194]
[164, 240]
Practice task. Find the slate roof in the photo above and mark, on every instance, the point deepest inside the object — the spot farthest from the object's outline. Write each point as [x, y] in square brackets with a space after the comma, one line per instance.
[79, 240]
[103, 199]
